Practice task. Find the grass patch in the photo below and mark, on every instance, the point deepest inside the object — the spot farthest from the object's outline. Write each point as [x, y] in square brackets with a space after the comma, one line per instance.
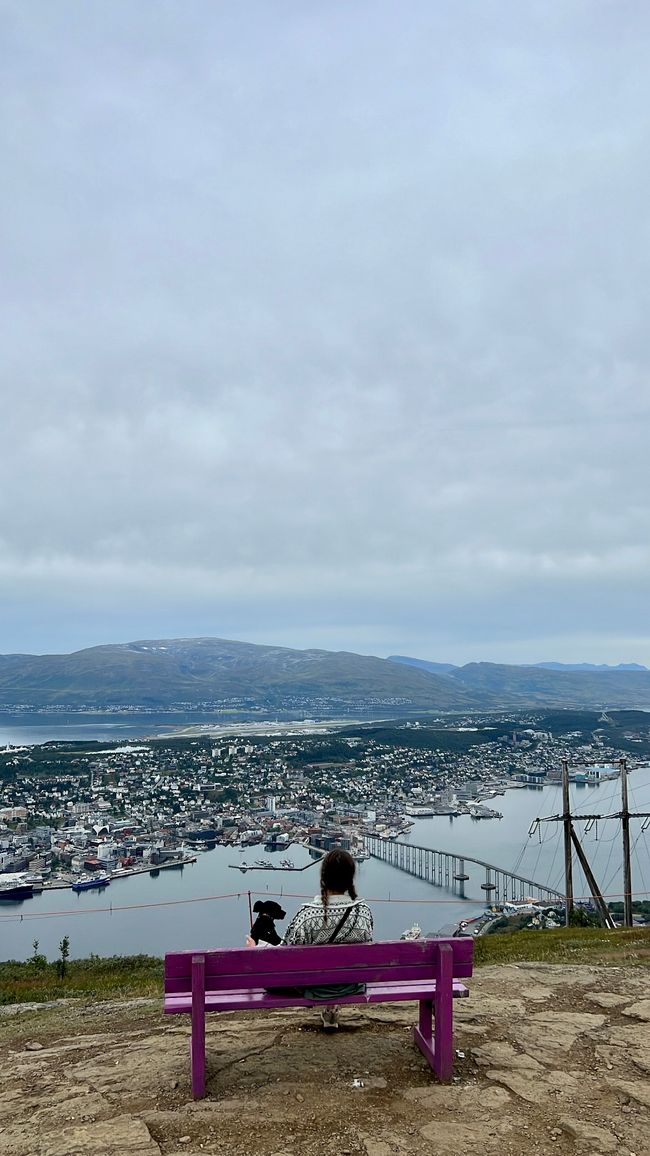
[567, 945]
[119, 976]
[97, 977]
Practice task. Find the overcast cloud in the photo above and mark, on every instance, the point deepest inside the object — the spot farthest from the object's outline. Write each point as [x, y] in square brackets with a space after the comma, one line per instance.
[326, 324]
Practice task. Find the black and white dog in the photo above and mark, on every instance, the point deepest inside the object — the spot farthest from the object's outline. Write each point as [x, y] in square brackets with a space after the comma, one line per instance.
[264, 926]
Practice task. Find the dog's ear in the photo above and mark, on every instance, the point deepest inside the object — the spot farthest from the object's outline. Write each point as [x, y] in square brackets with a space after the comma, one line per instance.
[258, 905]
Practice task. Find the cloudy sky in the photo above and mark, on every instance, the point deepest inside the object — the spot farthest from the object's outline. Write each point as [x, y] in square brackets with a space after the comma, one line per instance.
[326, 324]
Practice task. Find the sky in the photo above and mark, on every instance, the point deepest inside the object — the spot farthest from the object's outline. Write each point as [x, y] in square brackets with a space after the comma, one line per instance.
[326, 324]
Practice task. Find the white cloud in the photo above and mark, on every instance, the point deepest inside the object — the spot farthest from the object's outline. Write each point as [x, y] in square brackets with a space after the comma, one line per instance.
[326, 323]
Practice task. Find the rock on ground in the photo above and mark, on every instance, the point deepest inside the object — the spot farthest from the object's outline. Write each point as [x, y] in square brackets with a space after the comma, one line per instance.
[551, 1059]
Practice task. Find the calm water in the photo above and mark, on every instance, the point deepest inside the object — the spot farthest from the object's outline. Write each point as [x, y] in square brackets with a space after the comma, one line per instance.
[182, 909]
[30, 729]
[506, 843]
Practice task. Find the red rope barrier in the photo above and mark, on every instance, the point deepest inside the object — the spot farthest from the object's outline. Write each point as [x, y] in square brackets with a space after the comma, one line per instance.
[239, 894]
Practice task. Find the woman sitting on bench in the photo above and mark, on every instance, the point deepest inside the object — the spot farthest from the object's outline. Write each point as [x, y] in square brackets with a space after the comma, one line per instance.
[334, 916]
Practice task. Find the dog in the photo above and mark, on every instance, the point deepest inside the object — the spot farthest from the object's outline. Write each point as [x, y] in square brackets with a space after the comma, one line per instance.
[264, 926]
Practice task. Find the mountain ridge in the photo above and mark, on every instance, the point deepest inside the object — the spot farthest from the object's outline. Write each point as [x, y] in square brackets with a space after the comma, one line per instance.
[206, 671]
[165, 672]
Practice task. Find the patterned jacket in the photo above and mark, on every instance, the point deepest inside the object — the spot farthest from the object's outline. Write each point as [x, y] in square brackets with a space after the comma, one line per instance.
[312, 925]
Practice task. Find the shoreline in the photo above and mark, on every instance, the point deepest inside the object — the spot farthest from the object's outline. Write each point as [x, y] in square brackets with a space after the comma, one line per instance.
[63, 884]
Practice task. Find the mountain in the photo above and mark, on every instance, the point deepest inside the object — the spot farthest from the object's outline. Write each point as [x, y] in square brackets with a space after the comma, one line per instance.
[587, 666]
[166, 672]
[551, 684]
[535, 686]
[421, 664]
[203, 671]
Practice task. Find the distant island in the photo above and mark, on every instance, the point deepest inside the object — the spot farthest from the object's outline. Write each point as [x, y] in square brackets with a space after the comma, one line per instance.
[219, 674]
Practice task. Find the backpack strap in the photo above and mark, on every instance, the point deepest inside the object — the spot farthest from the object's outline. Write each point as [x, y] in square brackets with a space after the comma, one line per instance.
[339, 925]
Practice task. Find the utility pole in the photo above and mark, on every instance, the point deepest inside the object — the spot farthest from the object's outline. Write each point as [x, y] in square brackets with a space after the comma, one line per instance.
[568, 851]
[627, 858]
[572, 841]
[601, 906]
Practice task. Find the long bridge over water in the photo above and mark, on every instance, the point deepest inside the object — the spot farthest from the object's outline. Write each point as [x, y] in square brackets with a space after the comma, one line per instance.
[452, 869]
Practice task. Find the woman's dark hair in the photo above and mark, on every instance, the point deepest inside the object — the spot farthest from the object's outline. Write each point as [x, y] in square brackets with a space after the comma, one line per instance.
[337, 875]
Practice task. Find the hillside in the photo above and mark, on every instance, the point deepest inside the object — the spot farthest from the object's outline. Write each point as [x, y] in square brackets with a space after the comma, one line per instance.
[550, 1058]
[166, 672]
[545, 685]
[536, 686]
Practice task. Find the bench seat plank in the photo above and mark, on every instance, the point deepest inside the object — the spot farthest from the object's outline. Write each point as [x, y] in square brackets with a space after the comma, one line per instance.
[253, 999]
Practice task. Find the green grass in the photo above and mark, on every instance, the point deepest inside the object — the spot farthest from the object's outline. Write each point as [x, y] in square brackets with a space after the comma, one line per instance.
[96, 977]
[120, 976]
[571, 945]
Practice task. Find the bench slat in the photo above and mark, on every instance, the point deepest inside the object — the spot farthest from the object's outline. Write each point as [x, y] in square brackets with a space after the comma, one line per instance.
[388, 951]
[405, 961]
[251, 999]
[308, 977]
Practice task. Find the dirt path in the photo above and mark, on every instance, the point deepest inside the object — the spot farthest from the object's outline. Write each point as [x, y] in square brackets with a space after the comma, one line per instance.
[550, 1060]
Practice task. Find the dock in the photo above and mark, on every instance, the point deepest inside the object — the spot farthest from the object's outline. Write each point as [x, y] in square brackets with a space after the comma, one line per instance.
[244, 867]
[140, 869]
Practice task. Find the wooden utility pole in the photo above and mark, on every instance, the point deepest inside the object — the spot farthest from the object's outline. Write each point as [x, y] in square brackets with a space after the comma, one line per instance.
[601, 906]
[568, 851]
[571, 841]
[627, 857]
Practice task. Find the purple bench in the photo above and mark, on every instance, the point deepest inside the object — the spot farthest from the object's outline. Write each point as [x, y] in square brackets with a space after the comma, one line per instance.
[427, 970]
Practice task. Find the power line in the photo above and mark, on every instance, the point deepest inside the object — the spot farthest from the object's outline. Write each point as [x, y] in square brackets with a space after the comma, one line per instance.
[113, 910]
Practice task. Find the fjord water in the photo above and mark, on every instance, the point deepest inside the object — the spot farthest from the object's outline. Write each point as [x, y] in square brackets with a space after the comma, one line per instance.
[180, 909]
[28, 728]
[32, 727]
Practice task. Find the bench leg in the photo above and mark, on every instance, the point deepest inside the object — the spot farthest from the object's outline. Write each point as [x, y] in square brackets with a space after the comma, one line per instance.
[197, 1042]
[438, 1047]
[422, 1034]
[444, 1011]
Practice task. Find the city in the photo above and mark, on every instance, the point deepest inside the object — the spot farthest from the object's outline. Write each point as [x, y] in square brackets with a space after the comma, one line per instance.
[80, 814]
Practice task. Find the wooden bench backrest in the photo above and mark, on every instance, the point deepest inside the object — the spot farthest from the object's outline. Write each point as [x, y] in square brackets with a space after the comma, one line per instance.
[390, 962]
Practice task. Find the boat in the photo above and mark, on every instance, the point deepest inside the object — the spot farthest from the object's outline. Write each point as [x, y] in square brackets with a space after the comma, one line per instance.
[414, 932]
[480, 811]
[15, 887]
[33, 879]
[86, 882]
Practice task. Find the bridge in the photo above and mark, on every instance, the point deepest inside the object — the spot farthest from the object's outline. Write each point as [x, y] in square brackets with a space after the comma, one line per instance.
[452, 869]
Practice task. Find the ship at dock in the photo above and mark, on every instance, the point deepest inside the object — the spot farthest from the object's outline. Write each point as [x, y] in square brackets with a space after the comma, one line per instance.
[480, 811]
[87, 882]
[15, 887]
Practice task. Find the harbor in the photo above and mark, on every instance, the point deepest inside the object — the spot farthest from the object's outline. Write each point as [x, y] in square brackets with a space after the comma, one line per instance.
[17, 886]
[156, 910]
[267, 865]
